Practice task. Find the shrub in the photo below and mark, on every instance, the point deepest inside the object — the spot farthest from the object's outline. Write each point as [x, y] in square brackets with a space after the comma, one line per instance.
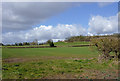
[106, 45]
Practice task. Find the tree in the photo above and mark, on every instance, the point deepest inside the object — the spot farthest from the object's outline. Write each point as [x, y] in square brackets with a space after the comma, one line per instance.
[36, 42]
[33, 43]
[50, 42]
[20, 44]
[16, 44]
[1, 44]
[26, 43]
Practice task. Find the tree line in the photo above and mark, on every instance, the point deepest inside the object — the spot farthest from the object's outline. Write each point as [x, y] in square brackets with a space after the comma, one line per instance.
[88, 38]
[35, 42]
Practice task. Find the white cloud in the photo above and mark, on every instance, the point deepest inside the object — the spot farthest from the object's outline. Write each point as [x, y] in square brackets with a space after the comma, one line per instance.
[44, 33]
[97, 24]
[103, 25]
[18, 16]
[21, 17]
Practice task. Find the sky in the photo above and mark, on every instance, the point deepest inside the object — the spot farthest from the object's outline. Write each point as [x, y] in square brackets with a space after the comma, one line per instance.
[27, 21]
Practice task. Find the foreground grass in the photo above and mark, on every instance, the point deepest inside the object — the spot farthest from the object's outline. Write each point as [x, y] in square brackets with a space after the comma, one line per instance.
[64, 63]
[80, 69]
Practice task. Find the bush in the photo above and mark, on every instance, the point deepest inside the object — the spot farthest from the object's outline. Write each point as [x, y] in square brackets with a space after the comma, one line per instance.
[106, 45]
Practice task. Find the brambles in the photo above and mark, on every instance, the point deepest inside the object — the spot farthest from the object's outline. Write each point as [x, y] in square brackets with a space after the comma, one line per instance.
[106, 45]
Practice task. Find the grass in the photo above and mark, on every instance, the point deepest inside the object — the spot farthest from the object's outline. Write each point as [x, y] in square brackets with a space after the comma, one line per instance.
[83, 52]
[62, 62]
[71, 43]
[83, 68]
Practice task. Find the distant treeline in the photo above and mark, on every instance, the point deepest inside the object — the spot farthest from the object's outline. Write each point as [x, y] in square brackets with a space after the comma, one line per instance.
[23, 44]
[88, 38]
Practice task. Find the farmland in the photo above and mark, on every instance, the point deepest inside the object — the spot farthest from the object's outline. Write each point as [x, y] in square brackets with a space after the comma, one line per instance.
[59, 62]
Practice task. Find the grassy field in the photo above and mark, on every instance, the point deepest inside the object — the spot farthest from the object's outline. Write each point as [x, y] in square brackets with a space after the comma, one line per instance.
[71, 43]
[61, 52]
[65, 62]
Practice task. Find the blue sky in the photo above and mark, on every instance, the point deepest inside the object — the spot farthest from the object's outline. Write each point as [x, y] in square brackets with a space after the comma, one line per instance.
[82, 13]
[27, 21]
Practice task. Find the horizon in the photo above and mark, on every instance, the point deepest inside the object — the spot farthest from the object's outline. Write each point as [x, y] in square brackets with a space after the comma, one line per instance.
[58, 40]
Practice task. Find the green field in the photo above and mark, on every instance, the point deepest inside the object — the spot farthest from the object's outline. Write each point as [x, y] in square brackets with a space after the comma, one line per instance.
[62, 62]
[71, 43]
[81, 52]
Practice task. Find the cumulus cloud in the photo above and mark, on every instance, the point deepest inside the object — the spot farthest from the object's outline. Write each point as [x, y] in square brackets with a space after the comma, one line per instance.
[44, 33]
[103, 25]
[18, 16]
[18, 19]
[97, 25]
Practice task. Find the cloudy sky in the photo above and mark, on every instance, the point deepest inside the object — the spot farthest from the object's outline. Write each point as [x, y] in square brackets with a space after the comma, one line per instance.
[26, 21]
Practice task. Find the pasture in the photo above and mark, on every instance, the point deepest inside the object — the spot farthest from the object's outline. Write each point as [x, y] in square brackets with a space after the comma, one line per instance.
[80, 52]
[55, 63]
